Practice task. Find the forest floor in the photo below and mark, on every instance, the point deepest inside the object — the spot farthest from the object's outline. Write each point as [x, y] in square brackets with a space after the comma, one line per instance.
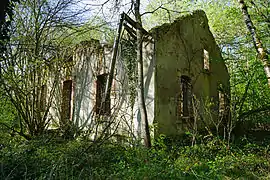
[80, 159]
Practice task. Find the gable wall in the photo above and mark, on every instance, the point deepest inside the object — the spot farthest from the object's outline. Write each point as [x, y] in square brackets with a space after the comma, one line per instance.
[179, 51]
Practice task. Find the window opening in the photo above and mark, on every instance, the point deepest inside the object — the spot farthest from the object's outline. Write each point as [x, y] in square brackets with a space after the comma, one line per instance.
[186, 96]
[206, 60]
[221, 101]
[66, 101]
[102, 108]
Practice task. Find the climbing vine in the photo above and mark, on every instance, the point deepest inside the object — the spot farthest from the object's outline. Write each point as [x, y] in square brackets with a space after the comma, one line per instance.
[128, 54]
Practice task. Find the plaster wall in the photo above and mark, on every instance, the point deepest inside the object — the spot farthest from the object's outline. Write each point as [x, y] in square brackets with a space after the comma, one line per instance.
[179, 49]
[92, 59]
[174, 50]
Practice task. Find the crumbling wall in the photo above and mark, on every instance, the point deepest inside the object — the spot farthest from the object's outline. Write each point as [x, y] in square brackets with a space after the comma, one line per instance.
[91, 62]
[179, 53]
[185, 79]
[88, 59]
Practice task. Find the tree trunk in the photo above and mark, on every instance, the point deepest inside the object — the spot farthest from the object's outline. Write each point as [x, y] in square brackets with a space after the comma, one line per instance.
[3, 8]
[263, 54]
[141, 99]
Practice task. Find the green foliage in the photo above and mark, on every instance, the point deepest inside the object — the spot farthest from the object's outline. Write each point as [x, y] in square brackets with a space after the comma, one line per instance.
[8, 112]
[95, 28]
[59, 159]
[128, 53]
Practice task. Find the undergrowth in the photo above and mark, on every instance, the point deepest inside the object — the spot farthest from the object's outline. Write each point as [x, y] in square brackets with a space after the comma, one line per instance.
[80, 159]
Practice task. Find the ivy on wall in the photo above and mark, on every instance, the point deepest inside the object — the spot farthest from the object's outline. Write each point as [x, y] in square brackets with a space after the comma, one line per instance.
[128, 54]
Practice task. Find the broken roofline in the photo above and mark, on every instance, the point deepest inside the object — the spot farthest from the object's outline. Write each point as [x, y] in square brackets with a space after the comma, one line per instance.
[197, 15]
[129, 25]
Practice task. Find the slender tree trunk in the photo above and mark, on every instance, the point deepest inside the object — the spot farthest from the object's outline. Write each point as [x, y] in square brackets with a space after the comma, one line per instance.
[141, 99]
[263, 54]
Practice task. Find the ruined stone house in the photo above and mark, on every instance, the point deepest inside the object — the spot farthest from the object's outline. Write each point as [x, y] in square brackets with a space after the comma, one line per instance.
[186, 82]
